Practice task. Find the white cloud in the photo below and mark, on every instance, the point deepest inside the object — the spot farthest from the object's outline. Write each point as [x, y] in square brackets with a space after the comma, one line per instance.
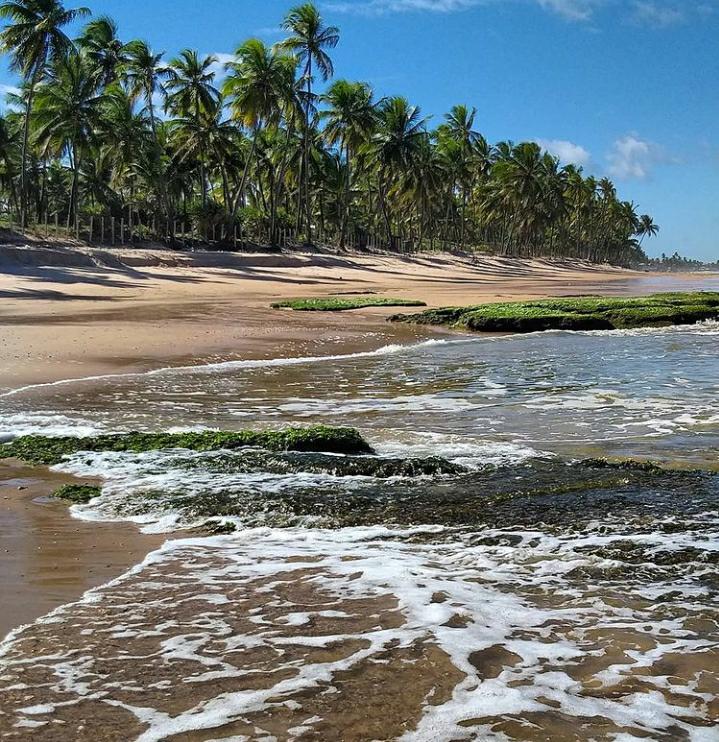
[219, 66]
[567, 152]
[656, 13]
[573, 10]
[378, 7]
[633, 158]
[652, 13]
[5, 89]
[267, 31]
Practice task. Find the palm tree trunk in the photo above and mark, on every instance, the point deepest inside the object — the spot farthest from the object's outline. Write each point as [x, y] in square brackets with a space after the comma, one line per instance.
[72, 210]
[164, 197]
[383, 206]
[306, 173]
[203, 179]
[348, 190]
[245, 172]
[25, 142]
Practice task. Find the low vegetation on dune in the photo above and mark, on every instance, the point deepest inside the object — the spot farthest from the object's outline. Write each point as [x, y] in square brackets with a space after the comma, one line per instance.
[575, 313]
[341, 304]
[40, 449]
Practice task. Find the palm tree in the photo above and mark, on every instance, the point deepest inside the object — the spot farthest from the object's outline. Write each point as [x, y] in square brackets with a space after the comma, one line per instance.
[310, 38]
[459, 128]
[144, 74]
[350, 120]
[395, 147]
[33, 38]
[67, 115]
[191, 92]
[646, 227]
[99, 41]
[258, 85]
[127, 142]
[8, 157]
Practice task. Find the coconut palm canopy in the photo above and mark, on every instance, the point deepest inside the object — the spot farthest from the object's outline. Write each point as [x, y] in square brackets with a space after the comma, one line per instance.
[276, 144]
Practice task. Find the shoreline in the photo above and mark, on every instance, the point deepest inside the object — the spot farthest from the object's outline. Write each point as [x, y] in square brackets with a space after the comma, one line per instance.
[51, 558]
[76, 313]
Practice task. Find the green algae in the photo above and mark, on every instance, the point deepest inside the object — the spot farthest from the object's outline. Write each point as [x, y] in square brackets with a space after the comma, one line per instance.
[77, 493]
[39, 449]
[575, 313]
[342, 304]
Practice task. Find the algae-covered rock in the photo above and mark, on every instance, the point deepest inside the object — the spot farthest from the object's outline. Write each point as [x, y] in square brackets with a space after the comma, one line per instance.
[288, 462]
[343, 303]
[40, 449]
[575, 313]
[77, 493]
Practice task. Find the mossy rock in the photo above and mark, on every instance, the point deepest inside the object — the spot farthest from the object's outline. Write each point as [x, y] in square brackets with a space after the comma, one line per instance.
[77, 493]
[40, 449]
[575, 313]
[343, 304]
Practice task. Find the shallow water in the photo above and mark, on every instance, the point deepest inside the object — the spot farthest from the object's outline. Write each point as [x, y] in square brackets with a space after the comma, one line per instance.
[523, 598]
[651, 393]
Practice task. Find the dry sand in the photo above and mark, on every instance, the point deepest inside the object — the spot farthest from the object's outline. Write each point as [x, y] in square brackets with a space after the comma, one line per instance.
[69, 313]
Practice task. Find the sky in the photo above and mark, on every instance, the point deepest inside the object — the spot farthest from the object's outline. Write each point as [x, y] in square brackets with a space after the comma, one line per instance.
[626, 88]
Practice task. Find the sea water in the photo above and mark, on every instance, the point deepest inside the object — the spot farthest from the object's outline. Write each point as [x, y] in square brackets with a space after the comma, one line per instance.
[528, 597]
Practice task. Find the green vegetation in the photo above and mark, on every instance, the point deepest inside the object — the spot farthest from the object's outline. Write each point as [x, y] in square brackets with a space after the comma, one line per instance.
[575, 313]
[77, 493]
[341, 304]
[39, 449]
[276, 152]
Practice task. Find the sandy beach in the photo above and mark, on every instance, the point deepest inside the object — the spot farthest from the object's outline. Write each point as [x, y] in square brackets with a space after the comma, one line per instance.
[81, 313]
[73, 313]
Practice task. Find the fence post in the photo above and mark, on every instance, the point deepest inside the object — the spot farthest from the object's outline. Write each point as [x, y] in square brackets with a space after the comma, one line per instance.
[112, 231]
[92, 221]
[57, 224]
[122, 231]
[47, 232]
[102, 229]
[77, 226]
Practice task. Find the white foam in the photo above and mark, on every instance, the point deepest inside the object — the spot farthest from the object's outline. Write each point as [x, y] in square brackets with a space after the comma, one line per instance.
[513, 597]
[17, 424]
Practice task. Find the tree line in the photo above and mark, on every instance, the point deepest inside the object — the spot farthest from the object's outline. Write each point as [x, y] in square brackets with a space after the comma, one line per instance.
[273, 143]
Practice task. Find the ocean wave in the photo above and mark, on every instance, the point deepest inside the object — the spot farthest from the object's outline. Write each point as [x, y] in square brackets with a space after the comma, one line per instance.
[222, 366]
[464, 450]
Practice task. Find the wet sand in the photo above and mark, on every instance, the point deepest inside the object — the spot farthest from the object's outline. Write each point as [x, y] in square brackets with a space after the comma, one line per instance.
[49, 558]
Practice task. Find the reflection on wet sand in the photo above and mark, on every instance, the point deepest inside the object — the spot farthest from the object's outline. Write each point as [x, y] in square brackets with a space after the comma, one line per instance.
[49, 557]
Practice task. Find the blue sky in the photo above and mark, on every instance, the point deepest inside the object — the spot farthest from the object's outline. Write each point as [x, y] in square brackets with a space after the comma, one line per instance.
[626, 88]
